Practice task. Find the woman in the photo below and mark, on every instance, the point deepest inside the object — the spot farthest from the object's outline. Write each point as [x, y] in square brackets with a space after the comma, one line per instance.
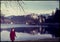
[12, 35]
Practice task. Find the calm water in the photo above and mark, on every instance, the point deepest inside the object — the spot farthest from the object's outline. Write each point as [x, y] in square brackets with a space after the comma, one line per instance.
[19, 28]
[18, 25]
[12, 25]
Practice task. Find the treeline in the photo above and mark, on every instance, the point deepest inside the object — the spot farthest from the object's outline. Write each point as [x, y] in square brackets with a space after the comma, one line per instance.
[55, 21]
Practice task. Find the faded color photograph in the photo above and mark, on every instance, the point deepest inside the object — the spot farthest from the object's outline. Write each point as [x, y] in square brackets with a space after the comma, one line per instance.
[30, 21]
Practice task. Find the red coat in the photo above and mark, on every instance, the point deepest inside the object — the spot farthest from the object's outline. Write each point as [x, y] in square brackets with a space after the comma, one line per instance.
[12, 35]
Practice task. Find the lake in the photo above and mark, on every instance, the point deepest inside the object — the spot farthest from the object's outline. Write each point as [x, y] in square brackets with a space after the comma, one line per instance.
[18, 25]
[21, 27]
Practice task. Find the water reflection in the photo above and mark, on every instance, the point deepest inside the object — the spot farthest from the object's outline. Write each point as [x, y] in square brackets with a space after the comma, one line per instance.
[24, 36]
[25, 33]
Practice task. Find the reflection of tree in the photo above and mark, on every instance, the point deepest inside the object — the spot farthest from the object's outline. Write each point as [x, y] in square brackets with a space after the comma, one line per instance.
[54, 27]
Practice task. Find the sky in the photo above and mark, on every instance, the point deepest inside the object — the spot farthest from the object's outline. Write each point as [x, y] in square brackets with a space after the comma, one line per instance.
[9, 8]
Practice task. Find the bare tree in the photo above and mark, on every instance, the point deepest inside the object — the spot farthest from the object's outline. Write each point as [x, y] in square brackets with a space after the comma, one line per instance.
[21, 6]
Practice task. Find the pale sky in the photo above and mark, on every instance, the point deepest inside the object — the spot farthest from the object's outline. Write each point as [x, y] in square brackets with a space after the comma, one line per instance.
[38, 7]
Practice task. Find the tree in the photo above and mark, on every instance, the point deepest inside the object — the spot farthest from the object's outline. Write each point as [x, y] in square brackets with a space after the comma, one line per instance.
[54, 27]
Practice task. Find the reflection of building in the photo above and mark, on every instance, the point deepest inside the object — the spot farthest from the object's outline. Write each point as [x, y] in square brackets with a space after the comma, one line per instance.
[42, 21]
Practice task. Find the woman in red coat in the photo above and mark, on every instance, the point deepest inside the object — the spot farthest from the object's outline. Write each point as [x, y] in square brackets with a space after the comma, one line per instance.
[12, 35]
